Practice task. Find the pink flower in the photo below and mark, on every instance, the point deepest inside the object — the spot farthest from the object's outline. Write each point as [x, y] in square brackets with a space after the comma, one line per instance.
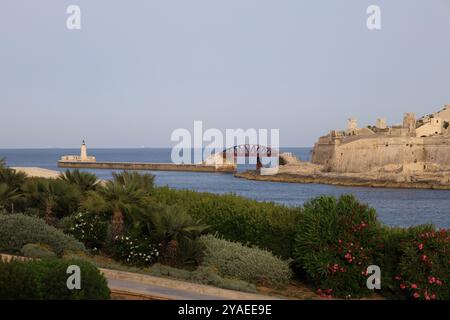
[416, 295]
[414, 286]
[423, 258]
[397, 277]
[433, 297]
[438, 282]
[402, 286]
[431, 280]
[420, 246]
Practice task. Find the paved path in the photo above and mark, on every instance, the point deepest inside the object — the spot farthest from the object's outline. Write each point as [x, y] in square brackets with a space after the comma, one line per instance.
[169, 289]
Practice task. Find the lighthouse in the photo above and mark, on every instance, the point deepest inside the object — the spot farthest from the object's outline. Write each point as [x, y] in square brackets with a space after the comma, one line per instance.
[83, 157]
[83, 153]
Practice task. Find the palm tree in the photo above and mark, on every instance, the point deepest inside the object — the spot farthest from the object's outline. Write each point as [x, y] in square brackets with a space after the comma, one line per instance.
[173, 229]
[84, 180]
[121, 199]
[51, 196]
[144, 181]
[2, 163]
[8, 196]
[11, 177]
[41, 193]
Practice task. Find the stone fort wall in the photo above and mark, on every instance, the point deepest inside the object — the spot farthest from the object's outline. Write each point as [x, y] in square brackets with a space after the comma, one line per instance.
[372, 153]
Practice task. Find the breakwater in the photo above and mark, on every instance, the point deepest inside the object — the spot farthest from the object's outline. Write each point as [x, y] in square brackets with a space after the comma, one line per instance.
[146, 166]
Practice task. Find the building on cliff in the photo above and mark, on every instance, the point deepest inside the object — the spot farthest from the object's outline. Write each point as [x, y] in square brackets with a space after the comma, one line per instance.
[421, 145]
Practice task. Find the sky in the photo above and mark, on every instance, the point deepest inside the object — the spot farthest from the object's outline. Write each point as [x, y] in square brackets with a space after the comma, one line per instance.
[137, 70]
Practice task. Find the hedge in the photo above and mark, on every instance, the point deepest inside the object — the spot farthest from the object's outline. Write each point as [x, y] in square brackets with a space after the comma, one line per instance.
[17, 230]
[337, 240]
[266, 225]
[47, 279]
[236, 261]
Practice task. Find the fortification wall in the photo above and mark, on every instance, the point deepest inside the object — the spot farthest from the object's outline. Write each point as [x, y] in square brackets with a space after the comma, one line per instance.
[367, 154]
[437, 151]
[323, 153]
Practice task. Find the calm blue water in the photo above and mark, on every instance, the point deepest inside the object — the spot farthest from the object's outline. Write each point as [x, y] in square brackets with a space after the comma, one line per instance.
[395, 207]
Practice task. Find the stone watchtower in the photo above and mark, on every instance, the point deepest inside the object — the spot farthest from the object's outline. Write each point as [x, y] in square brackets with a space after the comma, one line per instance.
[381, 123]
[352, 127]
[409, 123]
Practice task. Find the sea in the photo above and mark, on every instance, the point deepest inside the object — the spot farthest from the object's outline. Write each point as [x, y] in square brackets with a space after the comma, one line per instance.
[395, 207]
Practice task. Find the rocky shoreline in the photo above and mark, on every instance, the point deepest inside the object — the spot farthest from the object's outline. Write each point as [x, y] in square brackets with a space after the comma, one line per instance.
[349, 180]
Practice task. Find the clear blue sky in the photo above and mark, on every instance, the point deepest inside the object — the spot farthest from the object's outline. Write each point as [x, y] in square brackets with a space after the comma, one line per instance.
[139, 69]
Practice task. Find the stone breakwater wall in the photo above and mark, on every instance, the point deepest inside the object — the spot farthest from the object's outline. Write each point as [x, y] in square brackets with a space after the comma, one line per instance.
[147, 166]
[365, 154]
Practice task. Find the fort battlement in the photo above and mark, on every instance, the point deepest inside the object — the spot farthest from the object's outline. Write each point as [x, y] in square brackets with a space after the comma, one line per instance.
[423, 144]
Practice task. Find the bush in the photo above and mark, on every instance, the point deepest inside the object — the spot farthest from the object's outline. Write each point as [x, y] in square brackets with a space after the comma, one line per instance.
[37, 250]
[87, 228]
[266, 225]
[17, 230]
[337, 240]
[135, 251]
[418, 263]
[234, 260]
[47, 279]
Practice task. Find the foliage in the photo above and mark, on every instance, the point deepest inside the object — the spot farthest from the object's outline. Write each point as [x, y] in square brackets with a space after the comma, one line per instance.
[85, 181]
[418, 261]
[234, 260]
[88, 228]
[37, 250]
[8, 197]
[54, 198]
[47, 279]
[337, 240]
[17, 230]
[13, 178]
[135, 251]
[175, 232]
[121, 200]
[266, 225]
[143, 181]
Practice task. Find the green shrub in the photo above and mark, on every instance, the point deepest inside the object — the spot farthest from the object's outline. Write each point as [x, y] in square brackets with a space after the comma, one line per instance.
[337, 240]
[417, 263]
[17, 230]
[37, 250]
[47, 279]
[88, 228]
[266, 225]
[234, 260]
[135, 251]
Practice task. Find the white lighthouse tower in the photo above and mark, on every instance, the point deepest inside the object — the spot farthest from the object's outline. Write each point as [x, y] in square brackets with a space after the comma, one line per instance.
[83, 157]
[83, 153]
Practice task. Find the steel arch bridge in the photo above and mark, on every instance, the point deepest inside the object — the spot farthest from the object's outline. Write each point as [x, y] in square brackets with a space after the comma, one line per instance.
[250, 151]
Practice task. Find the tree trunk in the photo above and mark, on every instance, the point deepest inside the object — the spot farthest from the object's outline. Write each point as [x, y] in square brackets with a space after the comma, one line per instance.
[48, 214]
[117, 224]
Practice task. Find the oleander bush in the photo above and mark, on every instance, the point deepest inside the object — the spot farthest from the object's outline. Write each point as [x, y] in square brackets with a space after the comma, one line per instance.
[135, 251]
[266, 225]
[417, 262]
[37, 250]
[17, 230]
[47, 279]
[337, 240]
[235, 260]
[88, 228]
